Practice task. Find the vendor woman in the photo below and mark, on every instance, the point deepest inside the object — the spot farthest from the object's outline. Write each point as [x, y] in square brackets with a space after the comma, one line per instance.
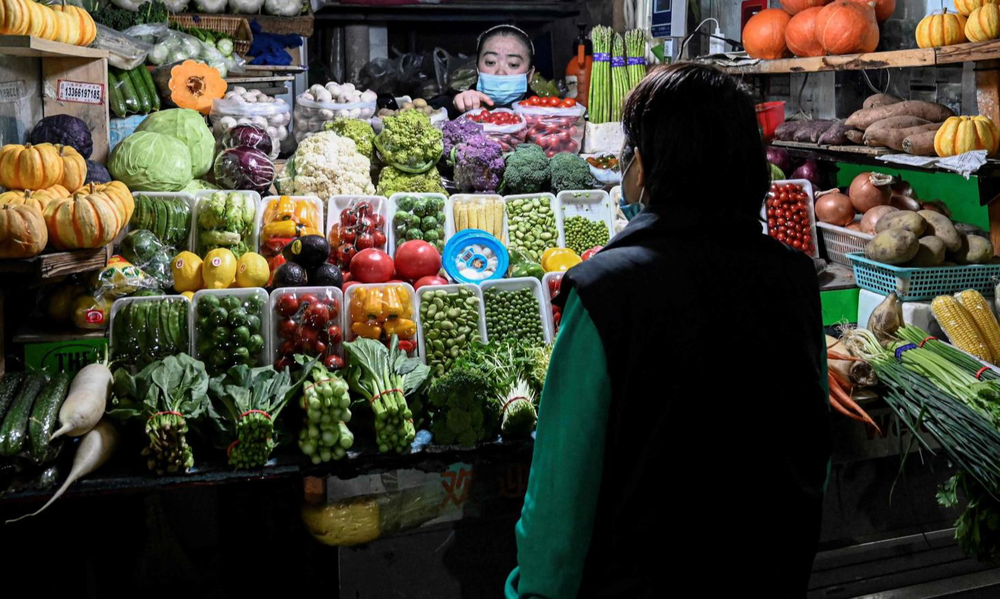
[505, 65]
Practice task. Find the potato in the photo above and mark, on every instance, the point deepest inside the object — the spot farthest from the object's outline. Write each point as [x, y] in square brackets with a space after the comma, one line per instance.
[855, 136]
[902, 219]
[929, 111]
[893, 246]
[930, 253]
[974, 250]
[880, 100]
[941, 226]
[920, 144]
[894, 138]
[420, 103]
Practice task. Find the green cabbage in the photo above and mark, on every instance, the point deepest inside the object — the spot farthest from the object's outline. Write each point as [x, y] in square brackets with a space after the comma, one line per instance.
[188, 127]
[146, 161]
[197, 185]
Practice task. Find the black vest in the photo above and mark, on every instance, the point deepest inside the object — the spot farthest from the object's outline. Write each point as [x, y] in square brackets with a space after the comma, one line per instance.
[718, 431]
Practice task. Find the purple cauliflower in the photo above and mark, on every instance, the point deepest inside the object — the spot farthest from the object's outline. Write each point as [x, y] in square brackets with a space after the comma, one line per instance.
[478, 165]
[457, 131]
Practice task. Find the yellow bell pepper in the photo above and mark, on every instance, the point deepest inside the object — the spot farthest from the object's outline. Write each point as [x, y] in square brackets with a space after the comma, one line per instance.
[393, 305]
[358, 297]
[306, 214]
[552, 253]
[368, 330]
[403, 328]
[562, 262]
[279, 228]
[375, 304]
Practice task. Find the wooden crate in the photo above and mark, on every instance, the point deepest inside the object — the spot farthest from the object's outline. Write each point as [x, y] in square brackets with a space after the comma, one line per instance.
[58, 73]
[234, 26]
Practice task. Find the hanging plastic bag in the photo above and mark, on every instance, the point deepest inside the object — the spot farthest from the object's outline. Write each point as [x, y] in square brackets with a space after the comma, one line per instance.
[241, 106]
[508, 136]
[124, 52]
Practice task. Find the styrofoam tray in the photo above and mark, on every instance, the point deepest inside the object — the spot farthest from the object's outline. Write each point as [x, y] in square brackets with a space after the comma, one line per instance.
[393, 207]
[120, 304]
[243, 294]
[591, 204]
[808, 188]
[475, 289]
[449, 212]
[315, 201]
[546, 278]
[560, 240]
[253, 244]
[274, 342]
[163, 194]
[338, 204]
[349, 295]
[544, 307]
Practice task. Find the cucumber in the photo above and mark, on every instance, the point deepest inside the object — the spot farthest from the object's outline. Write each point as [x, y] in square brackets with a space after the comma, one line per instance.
[115, 99]
[43, 415]
[147, 80]
[145, 104]
[15, 425]
[8, 390]
[128, 92]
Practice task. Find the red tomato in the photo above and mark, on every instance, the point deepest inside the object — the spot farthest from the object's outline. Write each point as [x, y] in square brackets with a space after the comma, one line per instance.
[550, 153]
[287, 348]
[348, 235]
[334, 334]
[373, 266]
[308, 298]
[567, 103]
[282, 363]
[431, 280]
[287, 305]
[286, 328]
[587, 255]
[379, 238]
[348, 218]
[316, 316]
[365, 241]
[334, 305]
[347, 253]
[305, 338]
[319, 347]
[416, 259]
[333, 362]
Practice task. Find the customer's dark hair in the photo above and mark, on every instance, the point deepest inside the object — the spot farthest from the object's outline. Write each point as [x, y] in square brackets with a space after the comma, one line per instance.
[698, 136]
[512, 31]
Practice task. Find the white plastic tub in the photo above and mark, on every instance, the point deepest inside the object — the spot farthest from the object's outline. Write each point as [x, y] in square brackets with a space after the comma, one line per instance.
[315, 201]
[559, 241]
[349, 297]
[394, 207]
[275, 340]
[475, 289]
[120, 305]
[190, 199]
[253, 244]
[544, 307]
[479, 198]
[261, 359]
[337, 204]
[591, 204]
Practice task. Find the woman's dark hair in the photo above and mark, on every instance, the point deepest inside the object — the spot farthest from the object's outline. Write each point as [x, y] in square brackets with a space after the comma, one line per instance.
[509, 30]
[698, 136]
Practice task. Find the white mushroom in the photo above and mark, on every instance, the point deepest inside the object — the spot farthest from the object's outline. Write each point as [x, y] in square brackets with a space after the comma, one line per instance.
[356, 113]
[324, 96]
[250, 98]
[369, 96]
[239, 89]
[333, 88]
[344, 114]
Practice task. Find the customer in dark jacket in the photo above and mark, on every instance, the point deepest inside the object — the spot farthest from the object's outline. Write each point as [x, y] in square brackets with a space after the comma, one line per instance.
[683, 444]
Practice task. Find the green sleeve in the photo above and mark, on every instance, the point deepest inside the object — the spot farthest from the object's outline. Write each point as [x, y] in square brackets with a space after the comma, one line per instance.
[824, 381]
[554, 532]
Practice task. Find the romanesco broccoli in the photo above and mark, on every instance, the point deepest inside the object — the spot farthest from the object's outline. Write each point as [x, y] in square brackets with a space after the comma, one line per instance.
[393, 180]
[408, 140]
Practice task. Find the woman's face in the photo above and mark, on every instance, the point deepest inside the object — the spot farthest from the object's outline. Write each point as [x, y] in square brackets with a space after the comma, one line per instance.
[504, 55]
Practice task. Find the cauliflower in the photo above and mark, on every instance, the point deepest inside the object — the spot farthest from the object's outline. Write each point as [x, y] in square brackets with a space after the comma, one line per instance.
[360, 131]
[394, 180]
[327, 164]
[409, 141]
[479, 165]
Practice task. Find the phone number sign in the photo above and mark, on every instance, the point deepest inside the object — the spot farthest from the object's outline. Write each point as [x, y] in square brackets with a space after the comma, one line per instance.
[80, 92]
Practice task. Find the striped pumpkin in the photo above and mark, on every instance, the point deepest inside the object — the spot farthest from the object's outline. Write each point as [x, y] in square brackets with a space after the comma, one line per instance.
[22, 232]
[117, 193]
[82, 221]
[74, 167]
[38, 199]
[961, 134]
[30, 167]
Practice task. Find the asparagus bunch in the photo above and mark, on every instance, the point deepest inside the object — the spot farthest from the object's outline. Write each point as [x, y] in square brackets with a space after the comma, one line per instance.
[599, 104]
[635, 49]
[619, 77]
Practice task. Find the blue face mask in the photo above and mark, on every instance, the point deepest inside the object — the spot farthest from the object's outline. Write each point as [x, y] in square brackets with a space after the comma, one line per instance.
[503, 89]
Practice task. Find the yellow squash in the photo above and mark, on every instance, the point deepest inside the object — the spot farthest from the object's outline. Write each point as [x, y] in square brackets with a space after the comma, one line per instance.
[961, 134]
[965, 7]
[30, 167]
[117, 193]
[83, 221]
[942, 29]
[74, 167]
[983, 24]
[22, 231]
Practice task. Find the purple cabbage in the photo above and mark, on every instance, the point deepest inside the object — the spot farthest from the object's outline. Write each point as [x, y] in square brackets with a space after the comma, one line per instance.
[245, 169]
[458, 131]
[779, 158]
[97, 173]
[810, 172]
[247, 136]
[478, 165]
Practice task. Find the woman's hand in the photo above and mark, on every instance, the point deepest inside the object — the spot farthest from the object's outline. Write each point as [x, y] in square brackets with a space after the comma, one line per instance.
[471, 100]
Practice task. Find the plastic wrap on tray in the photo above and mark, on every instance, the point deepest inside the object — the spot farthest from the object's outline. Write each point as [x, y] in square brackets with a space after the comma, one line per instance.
[355, 224]
[229, 329]
[145, 329]
[554, 129]
[307, 321]
[498, 128]
[380, 311]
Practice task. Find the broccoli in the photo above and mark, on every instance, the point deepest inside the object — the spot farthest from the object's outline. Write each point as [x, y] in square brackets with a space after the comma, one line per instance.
[429, 223]
[527, 170]
[569, 171]
[408, 139]
[360, 131]
[392, 180]
[405, 203]
[461, 408]
[414, 234]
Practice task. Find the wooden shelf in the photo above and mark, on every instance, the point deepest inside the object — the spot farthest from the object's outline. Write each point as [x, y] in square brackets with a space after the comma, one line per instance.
[925, 57]
[271, 79]
[52, 265]
[26, 45]
[869, 156]
[862, 150]
[41, 332]
[457, 11]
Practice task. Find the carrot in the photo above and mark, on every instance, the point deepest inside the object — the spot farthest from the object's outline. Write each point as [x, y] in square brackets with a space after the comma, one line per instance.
[831, 355]
[836, 405]
[849, 403]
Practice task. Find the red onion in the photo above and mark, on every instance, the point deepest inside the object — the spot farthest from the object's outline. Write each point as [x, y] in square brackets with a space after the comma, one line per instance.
[869, 190]
[834, 208]
[808, 171]
[779, 158]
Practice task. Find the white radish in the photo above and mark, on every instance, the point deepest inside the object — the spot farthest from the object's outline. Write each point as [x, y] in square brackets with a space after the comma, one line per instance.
[84, 406]
[95, 448]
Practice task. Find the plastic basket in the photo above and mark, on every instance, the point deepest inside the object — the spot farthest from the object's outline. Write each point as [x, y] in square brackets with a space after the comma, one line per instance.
[769, 116]
[235, 26]
[349, 334]
[315, 201]
[559, 241]
[840, 241]
[121, 303]
[475, 289]
[261, 358]
[912, 283]
[155, 195]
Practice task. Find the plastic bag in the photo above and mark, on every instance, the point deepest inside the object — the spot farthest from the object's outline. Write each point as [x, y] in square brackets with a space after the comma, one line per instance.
[407, 74]
[312, 116]
[508, 136]
[171, 224]
[248, 107]
[119, 279]
[173, 46]
[356, 223]
[145, 329]
[143, 249]
[124, 52]
[454, 72]
[147, 33]
[547, 124]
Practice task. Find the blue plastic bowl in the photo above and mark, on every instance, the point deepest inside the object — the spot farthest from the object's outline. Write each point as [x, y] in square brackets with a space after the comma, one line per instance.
[462, 253]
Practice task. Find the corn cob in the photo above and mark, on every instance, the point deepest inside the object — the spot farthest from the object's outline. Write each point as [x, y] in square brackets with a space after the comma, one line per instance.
[960, 327]
[976, 304]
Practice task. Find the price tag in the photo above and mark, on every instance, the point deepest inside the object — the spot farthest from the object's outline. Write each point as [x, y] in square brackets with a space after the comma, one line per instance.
[80, 91]
[11, 91]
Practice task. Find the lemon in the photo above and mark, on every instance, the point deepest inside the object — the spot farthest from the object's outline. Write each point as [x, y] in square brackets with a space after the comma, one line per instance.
[189, 295]
[219, 270]
[186, 267]
[252, 271]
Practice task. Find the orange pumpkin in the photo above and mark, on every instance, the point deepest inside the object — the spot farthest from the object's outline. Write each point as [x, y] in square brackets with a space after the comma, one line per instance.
[83, 221]
[965, 7]
[794, 7]
[22, 231]
[941, 29]
[846, 27]
[30, 167]
[800, 35]
[764, 35]
[193, 85]
[74, 167]
[883, 8]
[85, 29]
[983, 24]
[16, 17]
[39, 199]
[115, 192]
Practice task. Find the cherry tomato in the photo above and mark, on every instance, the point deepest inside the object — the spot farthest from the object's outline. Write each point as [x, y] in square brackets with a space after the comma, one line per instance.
[334, 334]
[348, 235]
[319, 347]
[365, 241]
[568, 103]
[334, 305]
[333, 362]
[348, 218]
[305, 338]
[308, 298]
[287, 348]
[286, 328]
[379, 239]
[317, 315]
[287, 305]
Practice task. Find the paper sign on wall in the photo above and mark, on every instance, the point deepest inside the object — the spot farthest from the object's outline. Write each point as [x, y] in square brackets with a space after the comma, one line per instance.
[12, 91]
[80, 91]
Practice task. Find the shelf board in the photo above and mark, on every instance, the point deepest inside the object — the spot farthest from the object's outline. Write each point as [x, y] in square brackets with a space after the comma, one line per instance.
[862, 150]
[923, 57]
[56, 264]
[36, 331]
[27, 45]
[866, 155]
[272, 79]
[462, 10]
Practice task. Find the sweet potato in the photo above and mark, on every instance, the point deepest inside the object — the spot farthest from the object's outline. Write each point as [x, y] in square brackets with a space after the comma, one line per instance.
[836, 135]
[880, 100]
[893, 138]
[896, 122]
[812, 132]
[920, 144]
[929, 111]
[786, 131]
[855, 136]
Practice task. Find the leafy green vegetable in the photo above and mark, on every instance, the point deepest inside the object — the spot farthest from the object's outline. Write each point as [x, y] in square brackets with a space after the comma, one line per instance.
[460, 406]
[188, 127]
[977, 530]
[121, 19]
[147, 161]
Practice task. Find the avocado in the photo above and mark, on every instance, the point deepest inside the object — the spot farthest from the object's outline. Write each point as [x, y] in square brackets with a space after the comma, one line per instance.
[309, 251]
[327, 275]
[290, 274]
